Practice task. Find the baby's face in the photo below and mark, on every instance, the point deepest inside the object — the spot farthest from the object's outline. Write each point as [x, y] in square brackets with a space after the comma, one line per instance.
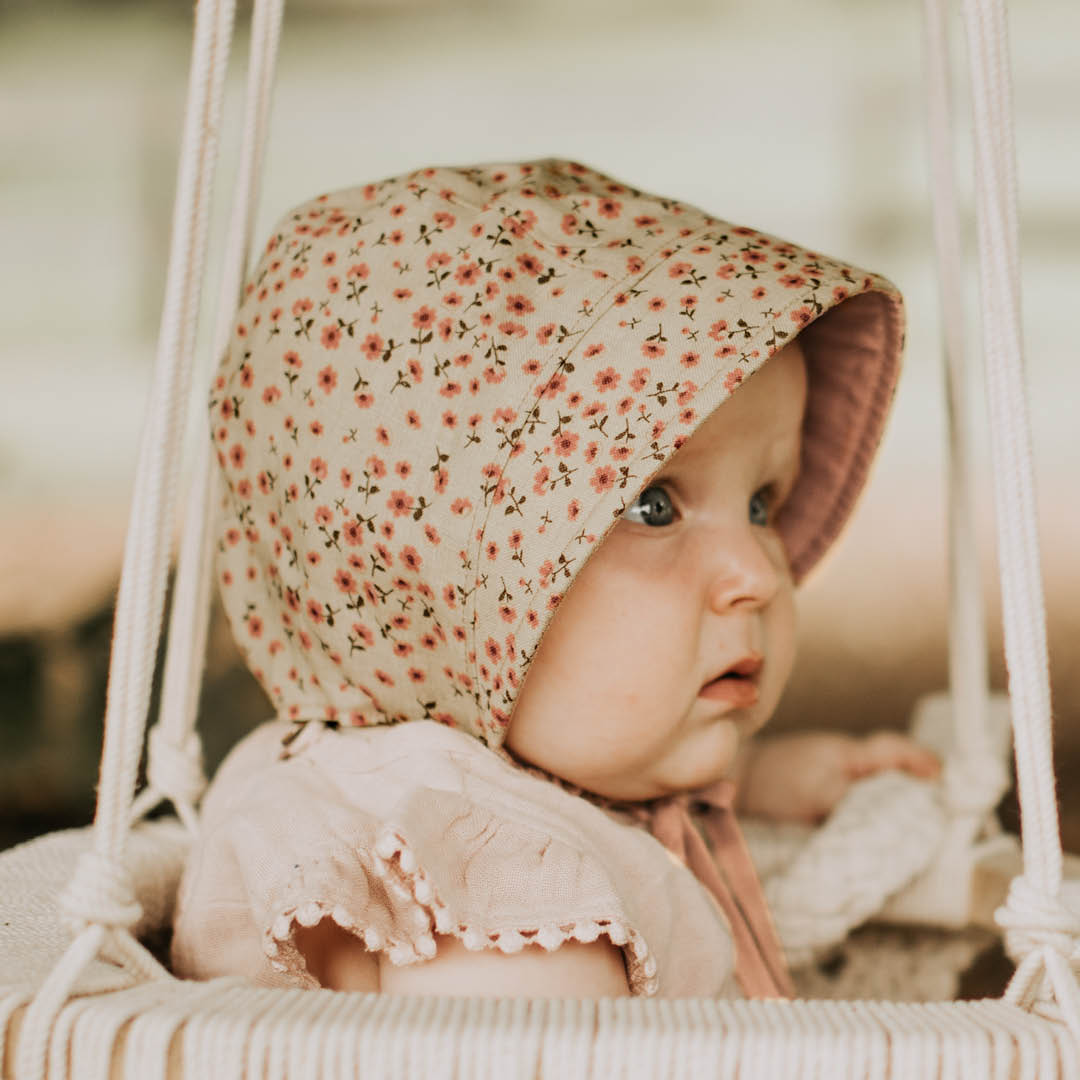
[620, 698]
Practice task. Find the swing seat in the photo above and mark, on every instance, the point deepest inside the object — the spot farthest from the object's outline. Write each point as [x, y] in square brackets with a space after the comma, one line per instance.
[228, 1028]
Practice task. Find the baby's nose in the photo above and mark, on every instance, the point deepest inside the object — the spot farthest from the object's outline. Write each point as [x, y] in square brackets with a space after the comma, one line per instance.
[743, 573]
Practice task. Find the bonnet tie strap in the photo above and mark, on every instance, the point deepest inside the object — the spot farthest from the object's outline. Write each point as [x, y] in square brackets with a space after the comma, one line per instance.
[728, 873]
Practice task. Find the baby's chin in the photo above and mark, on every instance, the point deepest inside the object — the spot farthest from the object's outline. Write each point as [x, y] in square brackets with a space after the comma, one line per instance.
[698, 759]
[702, 758]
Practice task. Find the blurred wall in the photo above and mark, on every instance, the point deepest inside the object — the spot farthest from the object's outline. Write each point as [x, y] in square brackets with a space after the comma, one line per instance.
[806, 120]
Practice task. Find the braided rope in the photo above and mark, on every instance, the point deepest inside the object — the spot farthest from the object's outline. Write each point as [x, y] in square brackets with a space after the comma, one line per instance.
[968, 676]
[100, 899]
[1037, 924]
[183, 783]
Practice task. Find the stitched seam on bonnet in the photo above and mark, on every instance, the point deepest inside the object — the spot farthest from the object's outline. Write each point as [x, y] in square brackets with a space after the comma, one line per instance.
[542, 378]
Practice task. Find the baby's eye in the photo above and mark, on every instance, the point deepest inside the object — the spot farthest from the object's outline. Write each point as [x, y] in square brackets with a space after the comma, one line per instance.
[652, 507]
[760, 504]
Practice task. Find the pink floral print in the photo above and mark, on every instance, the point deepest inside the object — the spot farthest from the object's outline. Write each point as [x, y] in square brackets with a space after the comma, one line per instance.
[443, 389]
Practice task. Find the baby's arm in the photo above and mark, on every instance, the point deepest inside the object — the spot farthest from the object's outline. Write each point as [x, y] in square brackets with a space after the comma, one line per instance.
[576, 969]
[801, 777]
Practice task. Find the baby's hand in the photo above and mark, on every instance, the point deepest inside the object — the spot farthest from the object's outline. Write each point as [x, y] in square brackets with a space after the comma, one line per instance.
[801, 777]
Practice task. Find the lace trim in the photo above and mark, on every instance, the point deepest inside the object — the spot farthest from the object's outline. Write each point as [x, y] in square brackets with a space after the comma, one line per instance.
[396, 864]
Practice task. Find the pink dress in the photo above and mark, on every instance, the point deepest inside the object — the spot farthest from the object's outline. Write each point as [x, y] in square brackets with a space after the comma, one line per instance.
[400, 831]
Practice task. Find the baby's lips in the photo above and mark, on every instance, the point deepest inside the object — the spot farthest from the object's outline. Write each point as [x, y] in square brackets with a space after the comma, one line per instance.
[739, 692]
[747, 666]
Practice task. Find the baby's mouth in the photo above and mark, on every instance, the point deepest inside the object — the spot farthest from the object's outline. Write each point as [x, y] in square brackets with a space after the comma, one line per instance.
[737, 686]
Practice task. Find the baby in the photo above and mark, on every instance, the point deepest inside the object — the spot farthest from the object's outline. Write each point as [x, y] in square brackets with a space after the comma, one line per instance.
[523, 466]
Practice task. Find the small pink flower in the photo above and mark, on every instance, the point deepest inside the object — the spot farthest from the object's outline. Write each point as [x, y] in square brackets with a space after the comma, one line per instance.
[328, 378]
[467, 274]
[602, 479]
[423, 317]
[553, 387]
[372, 346]
[530, 265]
[565, 444]
[606, 380]
[519, 304]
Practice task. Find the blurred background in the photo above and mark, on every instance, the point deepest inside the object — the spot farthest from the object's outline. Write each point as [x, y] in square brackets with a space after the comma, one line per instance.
[803, 119]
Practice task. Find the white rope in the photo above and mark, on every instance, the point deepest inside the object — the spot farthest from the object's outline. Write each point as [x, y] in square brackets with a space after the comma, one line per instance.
[1032, 914]
[146, 552]
[968, 677]
[174, 761]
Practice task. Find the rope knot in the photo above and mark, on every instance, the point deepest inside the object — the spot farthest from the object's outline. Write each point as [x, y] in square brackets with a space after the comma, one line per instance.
[1033, 920]
[974, 784]
[175, 769]
[100, 893]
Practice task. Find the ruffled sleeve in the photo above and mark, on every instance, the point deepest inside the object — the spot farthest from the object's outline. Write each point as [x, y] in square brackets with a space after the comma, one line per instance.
[398, 833]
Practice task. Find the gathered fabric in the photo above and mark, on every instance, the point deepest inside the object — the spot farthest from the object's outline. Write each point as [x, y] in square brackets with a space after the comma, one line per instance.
[401, 832]
[729, 875]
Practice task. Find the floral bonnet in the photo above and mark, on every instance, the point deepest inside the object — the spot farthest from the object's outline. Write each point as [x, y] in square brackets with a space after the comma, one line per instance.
[442, 390]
